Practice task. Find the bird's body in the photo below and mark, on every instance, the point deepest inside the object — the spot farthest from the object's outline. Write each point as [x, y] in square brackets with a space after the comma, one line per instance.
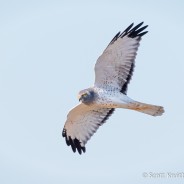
[113, 71]
[108, 98]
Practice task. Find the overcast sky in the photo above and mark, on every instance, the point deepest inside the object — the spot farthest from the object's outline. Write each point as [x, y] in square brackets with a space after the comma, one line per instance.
[47, 54]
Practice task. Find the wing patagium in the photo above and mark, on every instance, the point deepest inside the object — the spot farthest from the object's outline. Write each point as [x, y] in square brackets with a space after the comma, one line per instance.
[82, 122]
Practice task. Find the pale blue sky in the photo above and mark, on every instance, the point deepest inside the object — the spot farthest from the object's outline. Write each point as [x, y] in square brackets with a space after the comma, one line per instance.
[48, 51]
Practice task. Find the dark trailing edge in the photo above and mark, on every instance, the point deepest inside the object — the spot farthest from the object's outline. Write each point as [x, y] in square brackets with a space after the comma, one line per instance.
[131, 32]
[107, 116]
[125, 86]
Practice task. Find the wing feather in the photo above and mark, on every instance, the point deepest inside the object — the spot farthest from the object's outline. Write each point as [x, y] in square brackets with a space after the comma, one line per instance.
[82, 122]
[114, 68]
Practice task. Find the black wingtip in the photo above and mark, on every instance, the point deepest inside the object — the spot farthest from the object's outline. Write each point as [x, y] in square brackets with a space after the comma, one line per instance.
[131, 32]
[115, 38]
[129, 27]
[74, 143]
[143, 33]
[138, 25]
[64, 132]
[137, 31]
[83, 149]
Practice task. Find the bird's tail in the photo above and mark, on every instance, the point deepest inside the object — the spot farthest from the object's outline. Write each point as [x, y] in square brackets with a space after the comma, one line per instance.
[152, 110]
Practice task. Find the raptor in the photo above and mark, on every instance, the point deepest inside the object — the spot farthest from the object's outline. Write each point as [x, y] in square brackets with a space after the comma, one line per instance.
[113, 72]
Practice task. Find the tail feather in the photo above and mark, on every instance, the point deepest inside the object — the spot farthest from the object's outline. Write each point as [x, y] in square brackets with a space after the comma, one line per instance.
[152, 110]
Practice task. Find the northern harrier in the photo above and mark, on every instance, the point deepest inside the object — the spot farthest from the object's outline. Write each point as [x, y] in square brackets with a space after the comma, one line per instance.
[113, 72]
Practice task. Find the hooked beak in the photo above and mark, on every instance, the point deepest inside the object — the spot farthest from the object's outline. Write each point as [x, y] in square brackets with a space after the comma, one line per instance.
[79, 97]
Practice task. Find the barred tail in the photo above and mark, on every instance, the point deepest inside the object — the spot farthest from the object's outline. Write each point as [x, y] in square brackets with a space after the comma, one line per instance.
[152, 110]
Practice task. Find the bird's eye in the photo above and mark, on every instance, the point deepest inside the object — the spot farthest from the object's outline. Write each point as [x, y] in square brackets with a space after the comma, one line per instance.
[85, 95]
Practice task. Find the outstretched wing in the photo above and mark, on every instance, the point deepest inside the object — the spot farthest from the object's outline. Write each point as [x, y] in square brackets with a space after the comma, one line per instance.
[82, 122]
[114, 68]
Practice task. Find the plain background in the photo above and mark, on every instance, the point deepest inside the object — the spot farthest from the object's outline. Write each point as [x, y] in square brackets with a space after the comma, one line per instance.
[47, 54]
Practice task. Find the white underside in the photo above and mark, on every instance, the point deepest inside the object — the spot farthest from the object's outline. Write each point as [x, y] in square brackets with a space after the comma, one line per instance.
[119, 100]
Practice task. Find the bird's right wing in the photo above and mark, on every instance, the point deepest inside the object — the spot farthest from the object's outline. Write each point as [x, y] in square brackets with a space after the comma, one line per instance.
[82, 122]
[114, 68]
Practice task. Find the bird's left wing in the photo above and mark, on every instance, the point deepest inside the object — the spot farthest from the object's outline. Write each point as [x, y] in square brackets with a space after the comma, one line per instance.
[82, 122]
[114, 67]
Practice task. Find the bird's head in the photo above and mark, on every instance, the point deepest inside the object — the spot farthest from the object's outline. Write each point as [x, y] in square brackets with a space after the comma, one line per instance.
[86, 96]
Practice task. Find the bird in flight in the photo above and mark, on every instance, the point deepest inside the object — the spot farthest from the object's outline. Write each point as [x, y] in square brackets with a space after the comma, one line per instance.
[113, 72]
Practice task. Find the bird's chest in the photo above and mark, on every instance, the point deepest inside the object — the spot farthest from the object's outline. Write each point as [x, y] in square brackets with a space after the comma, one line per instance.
[106, 98]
